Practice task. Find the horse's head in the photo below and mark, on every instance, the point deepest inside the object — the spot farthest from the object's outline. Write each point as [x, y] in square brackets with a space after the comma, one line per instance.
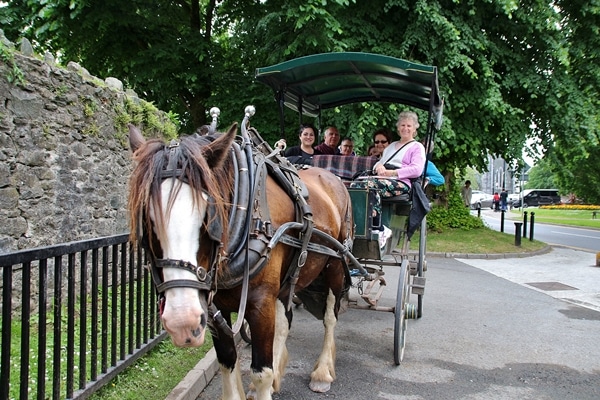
[176, 192]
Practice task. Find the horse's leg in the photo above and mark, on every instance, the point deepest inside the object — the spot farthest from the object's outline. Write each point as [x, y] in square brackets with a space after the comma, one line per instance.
[233, 387]
[262, 328]
[229, 365]
[324, 371]
[280, 352]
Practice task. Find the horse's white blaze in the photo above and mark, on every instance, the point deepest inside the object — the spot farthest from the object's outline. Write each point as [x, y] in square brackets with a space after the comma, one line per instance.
[233, 388]
[182, 313]
[324, 372]
[280, 353]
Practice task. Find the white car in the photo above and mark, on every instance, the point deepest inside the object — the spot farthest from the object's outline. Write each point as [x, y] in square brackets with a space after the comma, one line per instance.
[481, 199]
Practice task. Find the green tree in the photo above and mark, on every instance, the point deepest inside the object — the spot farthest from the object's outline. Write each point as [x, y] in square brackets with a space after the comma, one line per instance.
[170, 52]
[577, 172]
[509, 71]
[541, 176]
[574, 154]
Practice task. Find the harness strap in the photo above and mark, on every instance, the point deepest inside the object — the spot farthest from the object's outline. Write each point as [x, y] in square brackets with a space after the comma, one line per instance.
[182, 283]
[241, 201]
[204, 281]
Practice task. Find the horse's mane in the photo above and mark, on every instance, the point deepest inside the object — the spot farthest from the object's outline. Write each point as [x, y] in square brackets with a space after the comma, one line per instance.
[144, 185]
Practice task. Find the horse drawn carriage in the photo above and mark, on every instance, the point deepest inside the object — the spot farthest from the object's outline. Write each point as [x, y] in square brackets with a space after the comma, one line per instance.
[232, 226]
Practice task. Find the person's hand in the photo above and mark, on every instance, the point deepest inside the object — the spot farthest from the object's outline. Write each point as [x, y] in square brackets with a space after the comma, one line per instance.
[382, 171]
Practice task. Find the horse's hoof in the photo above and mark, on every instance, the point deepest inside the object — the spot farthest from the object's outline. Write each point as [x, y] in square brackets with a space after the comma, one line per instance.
[320, 387]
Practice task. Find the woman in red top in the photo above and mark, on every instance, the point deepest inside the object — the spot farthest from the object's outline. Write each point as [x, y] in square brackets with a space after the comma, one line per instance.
[496, 201]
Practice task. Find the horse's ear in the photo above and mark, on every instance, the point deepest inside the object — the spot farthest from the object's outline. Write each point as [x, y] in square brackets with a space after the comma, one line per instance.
[136, 139]
[216, 152]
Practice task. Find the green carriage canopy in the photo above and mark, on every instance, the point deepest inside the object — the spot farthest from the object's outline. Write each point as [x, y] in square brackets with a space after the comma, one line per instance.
[322, 81]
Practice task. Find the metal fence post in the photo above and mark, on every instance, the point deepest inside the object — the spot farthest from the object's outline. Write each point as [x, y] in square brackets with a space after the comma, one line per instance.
[531, 226]
[524, 224]
[518, 233]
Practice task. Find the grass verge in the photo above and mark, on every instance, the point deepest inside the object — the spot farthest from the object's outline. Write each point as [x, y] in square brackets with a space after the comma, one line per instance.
[581, 218]
[478, 241]
[156, 374]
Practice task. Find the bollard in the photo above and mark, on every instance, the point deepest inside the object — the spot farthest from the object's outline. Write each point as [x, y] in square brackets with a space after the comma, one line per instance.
[478, 211]
[524, 224]
[531, 226]
[502, 222]
[518, 233]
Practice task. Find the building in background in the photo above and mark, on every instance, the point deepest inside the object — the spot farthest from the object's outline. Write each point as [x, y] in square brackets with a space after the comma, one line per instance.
[500, 175]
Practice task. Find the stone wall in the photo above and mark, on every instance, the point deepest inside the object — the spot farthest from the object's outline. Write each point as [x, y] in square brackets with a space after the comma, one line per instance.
[64, 156]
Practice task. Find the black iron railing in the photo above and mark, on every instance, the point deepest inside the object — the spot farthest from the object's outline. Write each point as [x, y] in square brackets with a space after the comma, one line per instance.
[73, 316]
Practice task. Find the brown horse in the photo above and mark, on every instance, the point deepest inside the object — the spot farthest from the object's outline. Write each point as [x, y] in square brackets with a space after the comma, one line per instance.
[178, 193]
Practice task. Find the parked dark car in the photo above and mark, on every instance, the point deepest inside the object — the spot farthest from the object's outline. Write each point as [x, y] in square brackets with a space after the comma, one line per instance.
[537, 197]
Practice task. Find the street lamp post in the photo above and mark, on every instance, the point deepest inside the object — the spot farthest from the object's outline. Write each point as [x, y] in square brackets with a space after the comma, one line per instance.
[504, 175]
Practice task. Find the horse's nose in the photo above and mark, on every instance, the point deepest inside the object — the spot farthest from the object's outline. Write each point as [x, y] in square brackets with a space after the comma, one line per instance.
[185, 324]
[185, 336]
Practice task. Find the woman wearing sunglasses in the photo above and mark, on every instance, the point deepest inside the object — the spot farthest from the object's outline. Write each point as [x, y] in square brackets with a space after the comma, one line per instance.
[381, 139]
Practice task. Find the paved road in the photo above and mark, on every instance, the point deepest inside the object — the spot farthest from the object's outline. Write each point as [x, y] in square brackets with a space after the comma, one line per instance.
[488, 332]
[579, 238]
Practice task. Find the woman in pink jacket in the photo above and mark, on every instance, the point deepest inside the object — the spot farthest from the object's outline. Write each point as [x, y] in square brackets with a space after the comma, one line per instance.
[401, 161]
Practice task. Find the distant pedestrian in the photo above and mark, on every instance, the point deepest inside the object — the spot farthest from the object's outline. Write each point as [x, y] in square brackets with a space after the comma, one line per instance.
[496, 202]
[503, 199]
[466, 193]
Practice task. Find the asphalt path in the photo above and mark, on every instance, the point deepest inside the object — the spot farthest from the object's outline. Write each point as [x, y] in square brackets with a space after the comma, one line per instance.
[488, 332]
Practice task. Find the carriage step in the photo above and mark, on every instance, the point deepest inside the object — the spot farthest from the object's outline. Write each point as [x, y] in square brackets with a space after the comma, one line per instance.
[418, 285]
[410, 311]
[413, 266]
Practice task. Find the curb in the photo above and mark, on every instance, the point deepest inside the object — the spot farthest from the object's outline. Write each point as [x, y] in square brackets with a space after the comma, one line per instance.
[491, 256]
[197, 379]
[200, 376]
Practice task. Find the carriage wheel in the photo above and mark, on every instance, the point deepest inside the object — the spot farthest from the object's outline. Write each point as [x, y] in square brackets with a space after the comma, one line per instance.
[400, 313]
[245, 332]
[422, 262]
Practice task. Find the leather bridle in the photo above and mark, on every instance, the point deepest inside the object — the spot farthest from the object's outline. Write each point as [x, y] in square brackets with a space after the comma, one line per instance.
[204, 276]
[204, 281]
